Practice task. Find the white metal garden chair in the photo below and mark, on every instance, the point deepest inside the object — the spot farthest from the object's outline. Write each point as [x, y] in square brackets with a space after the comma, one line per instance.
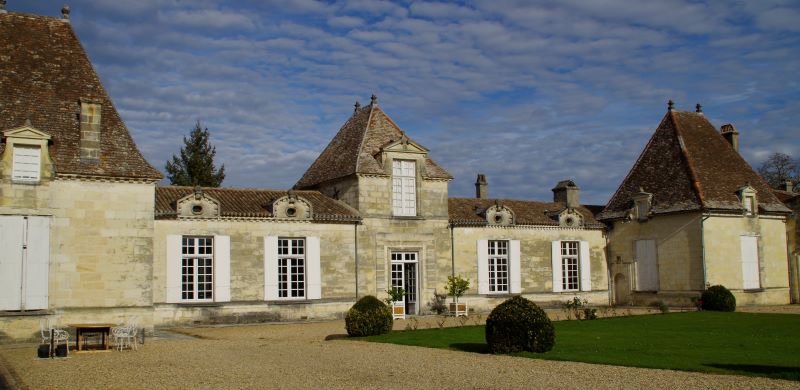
[125, 336]
[46, 325]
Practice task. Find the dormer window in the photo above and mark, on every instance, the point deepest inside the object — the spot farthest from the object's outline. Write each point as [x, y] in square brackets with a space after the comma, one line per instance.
[642, 202]
[404, 188]
[27, 163]
[747, 194]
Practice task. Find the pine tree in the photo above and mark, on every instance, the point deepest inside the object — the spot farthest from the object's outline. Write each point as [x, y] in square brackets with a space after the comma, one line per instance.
[195, 166]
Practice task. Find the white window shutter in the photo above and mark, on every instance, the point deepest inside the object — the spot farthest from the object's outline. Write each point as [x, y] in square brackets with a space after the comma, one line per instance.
[27, 163]
[10, 262]
[557, 272]
[586, 267]
[173, 277]
[270, 268]
[222, 268]
[313, 272]
[750, 271]
[483, 266]
[37, 263]
[514, 259]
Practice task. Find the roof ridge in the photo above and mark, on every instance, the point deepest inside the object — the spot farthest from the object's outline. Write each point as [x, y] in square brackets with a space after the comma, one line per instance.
[236, 189]
[363, 137]
[685, 152]
[635, 164]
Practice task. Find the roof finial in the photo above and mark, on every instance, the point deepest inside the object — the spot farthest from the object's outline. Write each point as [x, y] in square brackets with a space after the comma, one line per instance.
[698, 109]
[373, 100]
[671, 105]
[198, 192]
[65, 12]
[3, 7]
[357, 106]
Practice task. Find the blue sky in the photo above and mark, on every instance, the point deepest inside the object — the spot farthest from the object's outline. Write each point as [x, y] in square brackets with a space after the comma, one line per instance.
[527, 92]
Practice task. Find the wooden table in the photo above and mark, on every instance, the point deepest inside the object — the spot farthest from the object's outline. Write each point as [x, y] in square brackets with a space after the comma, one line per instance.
[81, 329]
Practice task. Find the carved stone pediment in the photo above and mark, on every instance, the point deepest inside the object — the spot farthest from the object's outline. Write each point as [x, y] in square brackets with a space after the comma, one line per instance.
[499, 215]
[570, 218]
[292, 206]
[198, 205]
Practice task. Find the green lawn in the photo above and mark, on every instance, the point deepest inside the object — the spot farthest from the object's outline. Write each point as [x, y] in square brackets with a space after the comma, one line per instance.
[730, 343]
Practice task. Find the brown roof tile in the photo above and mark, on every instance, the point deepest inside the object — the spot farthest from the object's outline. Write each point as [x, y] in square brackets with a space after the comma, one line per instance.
[251, 203]
[45, 73]
[467, 211]
[354, 148]
[687, 165]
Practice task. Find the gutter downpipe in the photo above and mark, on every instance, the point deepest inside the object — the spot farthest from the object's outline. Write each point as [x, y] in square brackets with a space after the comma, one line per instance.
[452, 252]
[355, 252]
[703, 247]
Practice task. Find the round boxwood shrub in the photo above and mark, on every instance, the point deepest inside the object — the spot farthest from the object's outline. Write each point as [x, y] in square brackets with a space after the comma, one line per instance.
[369, 316]
[718, 298]
[519, 325]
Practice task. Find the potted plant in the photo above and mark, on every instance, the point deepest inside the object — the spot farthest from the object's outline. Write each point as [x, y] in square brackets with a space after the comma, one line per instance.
[396, 302]
[457, 286]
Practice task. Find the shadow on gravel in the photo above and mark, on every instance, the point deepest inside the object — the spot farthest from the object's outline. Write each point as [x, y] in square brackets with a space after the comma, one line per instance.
[777, 372]
[471, 347]
[336, 337]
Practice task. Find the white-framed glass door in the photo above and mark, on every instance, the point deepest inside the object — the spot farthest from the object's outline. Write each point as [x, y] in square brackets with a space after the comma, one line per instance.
[404, 275]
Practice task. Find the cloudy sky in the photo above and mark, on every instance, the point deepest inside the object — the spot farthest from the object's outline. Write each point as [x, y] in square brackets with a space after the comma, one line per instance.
[526, 92]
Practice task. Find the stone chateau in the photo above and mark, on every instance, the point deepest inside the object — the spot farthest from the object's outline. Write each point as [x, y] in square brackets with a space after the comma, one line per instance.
[86, 234]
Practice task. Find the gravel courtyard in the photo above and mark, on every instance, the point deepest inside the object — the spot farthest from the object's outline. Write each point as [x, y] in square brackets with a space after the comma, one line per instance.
[313, 355]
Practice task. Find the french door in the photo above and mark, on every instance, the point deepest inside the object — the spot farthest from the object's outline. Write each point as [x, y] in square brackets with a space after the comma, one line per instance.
[404, 275]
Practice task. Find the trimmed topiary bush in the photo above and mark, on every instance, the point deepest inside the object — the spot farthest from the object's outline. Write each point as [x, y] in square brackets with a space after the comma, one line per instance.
[519, 325]
[369, 316]
[718, 298]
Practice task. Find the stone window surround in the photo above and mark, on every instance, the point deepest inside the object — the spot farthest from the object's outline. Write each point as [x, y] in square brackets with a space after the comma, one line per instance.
[27, 135]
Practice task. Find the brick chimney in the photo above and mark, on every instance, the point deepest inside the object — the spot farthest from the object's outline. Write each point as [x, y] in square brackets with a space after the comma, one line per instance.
[90, 130]
[731, 135]
[567, 192]
[481, 187]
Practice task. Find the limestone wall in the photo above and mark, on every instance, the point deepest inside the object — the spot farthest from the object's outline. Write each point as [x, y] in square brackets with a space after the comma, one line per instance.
[723, 256]
[678, 253]
[535, 261]
[337, 259]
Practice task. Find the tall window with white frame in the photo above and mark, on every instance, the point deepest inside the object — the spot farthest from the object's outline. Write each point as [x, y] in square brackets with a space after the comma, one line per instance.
[404, 188]
[498, 266]
[570, 274]
[197, 268]
[291, 268]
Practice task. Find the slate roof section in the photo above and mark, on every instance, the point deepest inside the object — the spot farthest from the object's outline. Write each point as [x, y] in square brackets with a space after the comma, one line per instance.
[688, 166]
[252, 203]
[355, 147]
[467, 211]
[45, 73]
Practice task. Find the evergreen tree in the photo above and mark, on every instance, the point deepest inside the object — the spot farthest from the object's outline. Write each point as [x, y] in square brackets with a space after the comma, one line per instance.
[195, 165]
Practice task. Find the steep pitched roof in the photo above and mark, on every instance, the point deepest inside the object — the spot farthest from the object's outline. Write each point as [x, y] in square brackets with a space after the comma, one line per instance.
[45, 74]
[355, 147]
[468, 211]
[687, 165]
[251, 203]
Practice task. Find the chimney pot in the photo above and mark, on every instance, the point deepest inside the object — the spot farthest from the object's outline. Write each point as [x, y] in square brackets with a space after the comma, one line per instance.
[481, 187]
[731, 135]
[567, 192]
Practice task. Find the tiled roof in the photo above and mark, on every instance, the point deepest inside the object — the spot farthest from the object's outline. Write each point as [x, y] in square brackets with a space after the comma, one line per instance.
[785, 196]
[355, 147]
[687, 165]
[468, 210]
[251, 203]
[44, 74]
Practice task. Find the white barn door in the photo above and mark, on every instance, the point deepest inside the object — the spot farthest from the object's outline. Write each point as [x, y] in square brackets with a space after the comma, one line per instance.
[25, 262]
[646, 266]
[750, 274]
